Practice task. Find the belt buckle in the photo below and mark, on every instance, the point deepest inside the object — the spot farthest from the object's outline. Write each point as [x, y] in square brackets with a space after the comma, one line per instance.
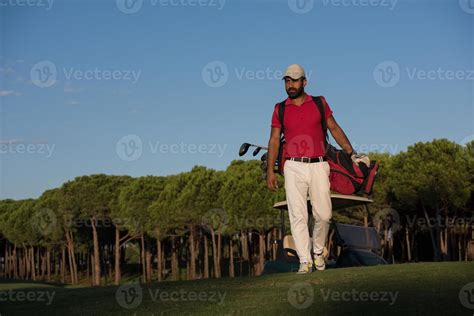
[305, 159]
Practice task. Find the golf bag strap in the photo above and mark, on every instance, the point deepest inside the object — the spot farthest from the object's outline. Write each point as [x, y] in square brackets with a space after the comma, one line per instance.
[320, 105]
[281, 116]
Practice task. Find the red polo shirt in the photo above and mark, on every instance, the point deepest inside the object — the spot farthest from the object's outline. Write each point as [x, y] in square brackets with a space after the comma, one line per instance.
[303, 131]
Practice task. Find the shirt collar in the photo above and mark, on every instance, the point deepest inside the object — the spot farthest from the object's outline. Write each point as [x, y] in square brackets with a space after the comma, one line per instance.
[307, 98]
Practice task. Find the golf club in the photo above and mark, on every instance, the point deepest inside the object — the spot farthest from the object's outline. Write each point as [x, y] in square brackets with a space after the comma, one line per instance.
[245, 147]
[256, 151]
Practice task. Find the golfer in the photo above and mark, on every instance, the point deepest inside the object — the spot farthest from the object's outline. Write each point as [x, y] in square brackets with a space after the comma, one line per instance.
[306, 169]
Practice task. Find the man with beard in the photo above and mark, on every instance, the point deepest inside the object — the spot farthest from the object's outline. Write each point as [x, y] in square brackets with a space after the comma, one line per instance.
[306, 167]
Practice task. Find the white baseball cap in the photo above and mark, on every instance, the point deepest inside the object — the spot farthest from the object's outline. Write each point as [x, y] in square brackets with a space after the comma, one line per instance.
[295, 72]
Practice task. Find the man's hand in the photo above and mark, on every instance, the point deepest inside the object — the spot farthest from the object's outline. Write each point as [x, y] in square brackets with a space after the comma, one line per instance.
[273, 146]
[272, 181]
[357, 158]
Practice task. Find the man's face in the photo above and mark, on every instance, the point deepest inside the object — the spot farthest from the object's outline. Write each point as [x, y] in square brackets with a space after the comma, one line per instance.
[294, 88]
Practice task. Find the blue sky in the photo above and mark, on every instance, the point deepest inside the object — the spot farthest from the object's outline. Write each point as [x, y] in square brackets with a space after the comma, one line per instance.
[126, 87]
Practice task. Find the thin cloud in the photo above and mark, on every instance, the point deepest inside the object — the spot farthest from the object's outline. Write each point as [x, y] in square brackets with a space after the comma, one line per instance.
[69, 89]
[73, 102]
[7, 93]
[7, 70]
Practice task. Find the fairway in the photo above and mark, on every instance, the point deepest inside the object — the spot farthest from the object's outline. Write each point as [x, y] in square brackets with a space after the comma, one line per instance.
[427, 288]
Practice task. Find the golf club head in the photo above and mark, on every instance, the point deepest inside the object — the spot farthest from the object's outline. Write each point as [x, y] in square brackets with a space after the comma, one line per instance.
[243, 149]
[264, 157]
[256, 151]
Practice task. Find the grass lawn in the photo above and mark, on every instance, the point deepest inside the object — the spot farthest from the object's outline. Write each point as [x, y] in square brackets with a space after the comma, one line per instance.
[418, 288]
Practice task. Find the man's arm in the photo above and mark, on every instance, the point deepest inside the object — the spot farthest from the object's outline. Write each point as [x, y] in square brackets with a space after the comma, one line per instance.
[339, 135]
[273, 147]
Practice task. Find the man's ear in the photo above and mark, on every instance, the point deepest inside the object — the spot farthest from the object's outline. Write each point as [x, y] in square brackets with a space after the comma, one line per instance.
[305, 82]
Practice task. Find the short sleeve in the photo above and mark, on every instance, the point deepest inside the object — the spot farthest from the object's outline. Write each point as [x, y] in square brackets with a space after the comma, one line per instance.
[327, 108]
[275, 120]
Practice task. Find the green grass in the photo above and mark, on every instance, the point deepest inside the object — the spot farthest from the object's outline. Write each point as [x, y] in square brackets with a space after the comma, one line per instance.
[426, 288]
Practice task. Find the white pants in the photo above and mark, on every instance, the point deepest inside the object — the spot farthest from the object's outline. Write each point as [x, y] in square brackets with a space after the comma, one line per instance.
[301, 177]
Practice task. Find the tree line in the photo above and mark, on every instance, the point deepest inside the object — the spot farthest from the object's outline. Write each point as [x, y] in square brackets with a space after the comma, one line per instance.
[208, 223]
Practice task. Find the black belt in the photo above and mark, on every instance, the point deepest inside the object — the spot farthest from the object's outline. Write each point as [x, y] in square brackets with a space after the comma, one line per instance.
[308, 159]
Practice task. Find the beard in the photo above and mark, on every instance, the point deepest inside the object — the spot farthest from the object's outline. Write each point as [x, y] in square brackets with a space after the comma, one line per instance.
[295, 93]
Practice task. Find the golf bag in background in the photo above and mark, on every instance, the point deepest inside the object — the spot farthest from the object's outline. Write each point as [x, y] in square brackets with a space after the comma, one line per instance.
[346, 177]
